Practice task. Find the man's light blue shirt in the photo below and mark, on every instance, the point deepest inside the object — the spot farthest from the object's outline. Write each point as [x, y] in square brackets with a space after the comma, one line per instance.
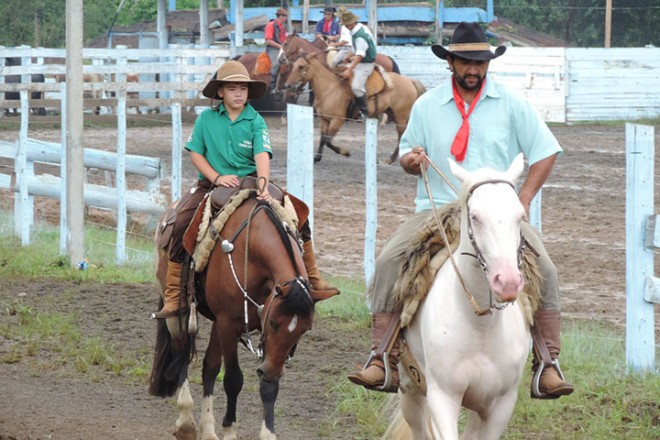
[502, 125]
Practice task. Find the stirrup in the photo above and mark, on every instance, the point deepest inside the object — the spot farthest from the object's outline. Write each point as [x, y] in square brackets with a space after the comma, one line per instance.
[536, 380]
[387, 383]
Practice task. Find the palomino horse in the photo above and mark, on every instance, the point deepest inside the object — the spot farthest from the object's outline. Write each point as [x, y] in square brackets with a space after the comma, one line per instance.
[469, 346]
[255, 279]
[333, 97]
[294, 45]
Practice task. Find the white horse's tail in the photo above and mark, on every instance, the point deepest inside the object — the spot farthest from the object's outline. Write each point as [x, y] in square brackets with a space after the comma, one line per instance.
[398, 429]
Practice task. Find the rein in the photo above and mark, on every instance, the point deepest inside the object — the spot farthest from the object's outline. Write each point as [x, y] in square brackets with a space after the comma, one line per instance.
[227, 247]
[478, 255]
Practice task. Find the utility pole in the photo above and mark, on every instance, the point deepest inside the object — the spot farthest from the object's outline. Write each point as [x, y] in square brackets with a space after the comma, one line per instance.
[608, 23]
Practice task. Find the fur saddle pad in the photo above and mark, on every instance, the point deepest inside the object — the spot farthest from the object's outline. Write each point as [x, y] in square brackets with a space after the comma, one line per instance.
[426, 253]
[263, 64]
[213, 212]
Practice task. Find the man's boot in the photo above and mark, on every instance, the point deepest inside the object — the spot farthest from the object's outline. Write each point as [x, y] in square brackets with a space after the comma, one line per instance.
[273, 81]
[373, 374]
[550, 383]
[316, 282]
[172, 290]
[361, 102]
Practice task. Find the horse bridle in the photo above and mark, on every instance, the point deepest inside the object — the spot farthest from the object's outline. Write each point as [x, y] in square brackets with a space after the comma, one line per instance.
[478, 255]
[477, 251]
[227, 247]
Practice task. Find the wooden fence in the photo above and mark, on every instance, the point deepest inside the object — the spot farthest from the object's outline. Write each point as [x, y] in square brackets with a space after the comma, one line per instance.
[563, 84]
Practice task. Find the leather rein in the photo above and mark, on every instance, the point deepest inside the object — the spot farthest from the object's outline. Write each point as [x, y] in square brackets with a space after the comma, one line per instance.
[227, 247]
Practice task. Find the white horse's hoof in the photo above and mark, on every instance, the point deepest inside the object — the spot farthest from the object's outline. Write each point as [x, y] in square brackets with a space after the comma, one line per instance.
[266, 434]
[186, 432]
[230, 433]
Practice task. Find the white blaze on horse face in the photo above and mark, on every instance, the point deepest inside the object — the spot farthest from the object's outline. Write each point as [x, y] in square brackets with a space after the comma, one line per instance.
[293, 324]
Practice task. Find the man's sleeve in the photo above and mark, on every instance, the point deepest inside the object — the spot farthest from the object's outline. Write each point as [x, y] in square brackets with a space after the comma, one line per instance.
[269, 31]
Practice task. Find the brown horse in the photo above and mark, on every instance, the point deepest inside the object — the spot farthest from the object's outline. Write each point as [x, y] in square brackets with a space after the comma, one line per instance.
[255, 279]
[294, 45]
[334, 96]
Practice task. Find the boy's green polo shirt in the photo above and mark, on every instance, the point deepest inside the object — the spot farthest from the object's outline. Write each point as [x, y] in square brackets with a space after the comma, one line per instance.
[228, 146]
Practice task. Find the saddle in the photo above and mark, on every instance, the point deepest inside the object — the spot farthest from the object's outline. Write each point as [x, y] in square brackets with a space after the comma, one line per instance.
[220, 196]
[377, 81]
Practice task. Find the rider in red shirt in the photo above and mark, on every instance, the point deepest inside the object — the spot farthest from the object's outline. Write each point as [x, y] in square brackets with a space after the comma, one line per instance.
[275, 34]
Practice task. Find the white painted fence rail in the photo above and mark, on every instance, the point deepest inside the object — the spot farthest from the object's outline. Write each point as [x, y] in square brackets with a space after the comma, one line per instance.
[641, 242]
[149, 200]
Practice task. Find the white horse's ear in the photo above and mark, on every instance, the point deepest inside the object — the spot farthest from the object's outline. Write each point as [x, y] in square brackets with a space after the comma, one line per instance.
[457, 170]
[516, 168]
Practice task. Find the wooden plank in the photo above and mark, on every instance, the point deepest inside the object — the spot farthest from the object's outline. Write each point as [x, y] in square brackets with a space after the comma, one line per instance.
[652, 240]
[652, 290]
[300, 155]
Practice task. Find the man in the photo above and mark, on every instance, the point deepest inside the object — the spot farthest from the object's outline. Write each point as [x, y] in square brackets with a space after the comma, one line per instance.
[275, 34]
[363, 63]
[479, 123]
[328, 28]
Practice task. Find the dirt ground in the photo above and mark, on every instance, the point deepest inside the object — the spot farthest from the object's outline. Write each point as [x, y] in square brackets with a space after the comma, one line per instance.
[583, 226]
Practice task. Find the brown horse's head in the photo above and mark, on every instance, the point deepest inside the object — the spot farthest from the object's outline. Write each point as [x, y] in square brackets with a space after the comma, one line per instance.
[286, 316]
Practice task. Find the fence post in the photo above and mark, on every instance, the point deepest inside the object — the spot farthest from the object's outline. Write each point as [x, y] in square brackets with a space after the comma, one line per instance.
[63, 172]
[176, 151]
[120, 172]
[371, 195]
[24, 203]
[640, 337]
[300, 155]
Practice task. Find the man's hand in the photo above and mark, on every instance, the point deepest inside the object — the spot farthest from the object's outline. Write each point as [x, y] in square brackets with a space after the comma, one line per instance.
[413, 161]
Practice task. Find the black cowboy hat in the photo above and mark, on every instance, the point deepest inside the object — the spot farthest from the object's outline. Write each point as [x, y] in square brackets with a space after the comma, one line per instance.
[329, 9]
[469, 42]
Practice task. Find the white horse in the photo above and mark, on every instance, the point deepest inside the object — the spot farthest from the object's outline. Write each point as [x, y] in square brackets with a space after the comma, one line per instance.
[469, 359]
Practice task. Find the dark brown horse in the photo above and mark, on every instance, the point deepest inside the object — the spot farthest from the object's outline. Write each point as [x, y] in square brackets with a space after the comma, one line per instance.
[333, 98]
[255, 279]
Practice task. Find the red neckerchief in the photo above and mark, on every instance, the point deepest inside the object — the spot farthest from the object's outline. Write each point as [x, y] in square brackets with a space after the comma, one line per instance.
[459, 146]
[327, 27]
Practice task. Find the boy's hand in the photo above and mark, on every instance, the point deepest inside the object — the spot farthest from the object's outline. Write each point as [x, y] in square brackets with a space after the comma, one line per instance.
[228, 181]
[263, 195]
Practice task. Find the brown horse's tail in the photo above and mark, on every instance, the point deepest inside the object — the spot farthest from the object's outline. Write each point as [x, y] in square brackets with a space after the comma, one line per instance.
[170, 367]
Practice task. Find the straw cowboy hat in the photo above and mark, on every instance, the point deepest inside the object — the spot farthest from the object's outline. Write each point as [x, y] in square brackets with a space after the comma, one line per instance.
[468, 42]
[233, 71]
[346, 17]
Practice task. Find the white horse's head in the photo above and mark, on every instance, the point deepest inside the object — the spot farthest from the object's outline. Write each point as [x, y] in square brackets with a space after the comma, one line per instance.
[490, 224]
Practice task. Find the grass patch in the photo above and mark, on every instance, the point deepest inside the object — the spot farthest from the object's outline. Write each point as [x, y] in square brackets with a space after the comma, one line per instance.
[41, 258]
[31, 332]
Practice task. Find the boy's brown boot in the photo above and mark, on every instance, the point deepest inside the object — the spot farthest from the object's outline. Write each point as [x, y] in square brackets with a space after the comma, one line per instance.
[172, 291]
[316, 282]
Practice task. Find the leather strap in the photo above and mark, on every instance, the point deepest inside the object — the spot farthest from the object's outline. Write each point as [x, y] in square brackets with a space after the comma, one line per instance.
[390, 335]
[540, 347]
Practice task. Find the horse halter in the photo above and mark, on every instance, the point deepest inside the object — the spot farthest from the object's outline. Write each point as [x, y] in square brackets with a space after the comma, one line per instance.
[477, 251]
